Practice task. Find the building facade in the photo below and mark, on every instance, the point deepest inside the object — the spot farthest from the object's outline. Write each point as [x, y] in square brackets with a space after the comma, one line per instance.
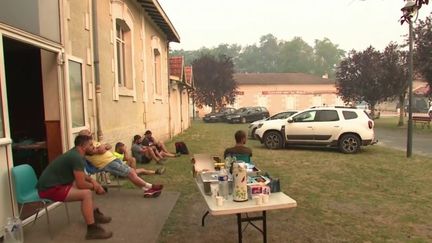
[70, 65]
[283, 91]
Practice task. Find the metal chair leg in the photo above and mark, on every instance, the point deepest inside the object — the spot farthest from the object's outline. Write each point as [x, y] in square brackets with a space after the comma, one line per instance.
[48, 220]
[67, 212]
[20, 210]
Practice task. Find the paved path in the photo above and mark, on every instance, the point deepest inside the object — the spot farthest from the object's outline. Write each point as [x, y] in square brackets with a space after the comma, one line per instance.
[397, 139]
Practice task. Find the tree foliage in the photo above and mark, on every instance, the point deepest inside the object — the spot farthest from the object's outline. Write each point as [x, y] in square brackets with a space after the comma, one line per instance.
[372, 76]
[423, 49]
[272, 55]
[213, 80]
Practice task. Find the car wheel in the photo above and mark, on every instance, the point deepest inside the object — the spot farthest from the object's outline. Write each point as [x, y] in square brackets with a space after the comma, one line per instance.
[243, 120]
[273, 140]
[349, 144]
[253, 133]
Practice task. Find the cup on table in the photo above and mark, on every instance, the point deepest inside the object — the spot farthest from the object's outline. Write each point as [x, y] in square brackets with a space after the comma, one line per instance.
[257, 199]
[265, 198]
[219, 201]
[214, 187]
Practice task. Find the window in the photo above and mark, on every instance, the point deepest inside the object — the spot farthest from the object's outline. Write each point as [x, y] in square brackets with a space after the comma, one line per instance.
[2, 133]
[307, 116]
[123, 50]
[120, 48]
[157, 72]
[76, 94]
[326, 116]
[124, 59]
[349, 115]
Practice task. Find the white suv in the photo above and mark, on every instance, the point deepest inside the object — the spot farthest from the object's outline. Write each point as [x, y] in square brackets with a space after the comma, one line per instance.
[344, 127]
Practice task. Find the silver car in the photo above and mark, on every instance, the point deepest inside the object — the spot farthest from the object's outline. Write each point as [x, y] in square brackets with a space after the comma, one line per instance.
[254, 125]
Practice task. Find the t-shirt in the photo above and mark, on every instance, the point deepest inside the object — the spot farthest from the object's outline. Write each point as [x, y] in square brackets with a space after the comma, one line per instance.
[60, 171]
[136, 152]
[238, 149]
[147, 141]
[119, 156]
[100, 160]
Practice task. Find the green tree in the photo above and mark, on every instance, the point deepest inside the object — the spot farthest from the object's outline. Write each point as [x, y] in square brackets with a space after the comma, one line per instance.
[214, 83]
[327, 57]
[395, 75]
[295, 56]
[359, 78]
[423, 49]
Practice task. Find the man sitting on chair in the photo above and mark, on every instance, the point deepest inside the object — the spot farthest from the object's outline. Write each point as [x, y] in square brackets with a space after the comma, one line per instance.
[64, 180]
[239, 148]
[102, 158]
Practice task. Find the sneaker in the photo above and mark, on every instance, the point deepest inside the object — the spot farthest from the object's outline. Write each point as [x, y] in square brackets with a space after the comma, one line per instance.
[152, 193]
[157, 187]
[160, 170]
[100, 218]
[97, 232]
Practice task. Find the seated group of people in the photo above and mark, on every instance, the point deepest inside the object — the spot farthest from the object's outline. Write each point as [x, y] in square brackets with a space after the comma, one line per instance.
[65, 179]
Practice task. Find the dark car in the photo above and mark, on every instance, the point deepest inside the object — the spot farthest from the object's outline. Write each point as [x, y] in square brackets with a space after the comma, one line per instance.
[218, 116]
[248, 114]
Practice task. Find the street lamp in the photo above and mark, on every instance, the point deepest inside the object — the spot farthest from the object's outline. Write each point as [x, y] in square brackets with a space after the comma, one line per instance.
[409, 10]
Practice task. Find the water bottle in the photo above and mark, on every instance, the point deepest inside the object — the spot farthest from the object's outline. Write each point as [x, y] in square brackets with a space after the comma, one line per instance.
[223, 183]
[13, 231]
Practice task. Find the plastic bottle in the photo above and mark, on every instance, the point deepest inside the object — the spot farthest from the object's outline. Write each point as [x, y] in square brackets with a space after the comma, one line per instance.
[223, 183]
[13, 231]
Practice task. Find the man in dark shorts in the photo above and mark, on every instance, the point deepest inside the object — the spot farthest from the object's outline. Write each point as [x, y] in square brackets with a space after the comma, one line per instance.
[64, 180]
[239, 148]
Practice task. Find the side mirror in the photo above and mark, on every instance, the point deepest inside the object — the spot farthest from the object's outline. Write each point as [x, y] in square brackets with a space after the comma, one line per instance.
[290, 120]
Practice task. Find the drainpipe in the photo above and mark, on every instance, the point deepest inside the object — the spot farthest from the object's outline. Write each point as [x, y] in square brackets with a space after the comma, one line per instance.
[97, 71]
[181, 108]
[169, 95]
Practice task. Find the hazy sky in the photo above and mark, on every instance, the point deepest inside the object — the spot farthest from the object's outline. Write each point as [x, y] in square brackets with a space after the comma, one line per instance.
[352, 24]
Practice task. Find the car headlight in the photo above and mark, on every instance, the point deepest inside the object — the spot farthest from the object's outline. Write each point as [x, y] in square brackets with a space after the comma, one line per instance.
[236, 116]
[260, 125]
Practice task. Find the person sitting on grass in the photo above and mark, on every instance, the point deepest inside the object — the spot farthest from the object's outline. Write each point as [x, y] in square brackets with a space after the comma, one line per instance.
[64, 180]
[102, 158]
[144, 154]
[157, 146]
[239, 148]
[121, 153]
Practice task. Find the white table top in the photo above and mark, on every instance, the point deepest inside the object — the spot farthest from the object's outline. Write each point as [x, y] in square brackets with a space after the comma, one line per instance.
[277, 200]
[203, 162]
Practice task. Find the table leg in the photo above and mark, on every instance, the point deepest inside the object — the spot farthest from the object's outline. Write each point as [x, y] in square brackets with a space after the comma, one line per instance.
[203, 218]
[239, 227]
[265, 226]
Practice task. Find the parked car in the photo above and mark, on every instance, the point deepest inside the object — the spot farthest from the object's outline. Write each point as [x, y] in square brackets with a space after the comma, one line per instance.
[346, 128]
[219, 116]
[248, 114]
[257, 124]
[366, 107]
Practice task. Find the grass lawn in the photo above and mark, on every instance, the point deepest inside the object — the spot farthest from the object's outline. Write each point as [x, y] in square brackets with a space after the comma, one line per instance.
[392, 123]
[376, 195]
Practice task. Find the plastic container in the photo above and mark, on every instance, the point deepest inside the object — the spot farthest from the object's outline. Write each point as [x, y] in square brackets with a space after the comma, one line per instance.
[223, 184]
[240, 193]
[13, 231]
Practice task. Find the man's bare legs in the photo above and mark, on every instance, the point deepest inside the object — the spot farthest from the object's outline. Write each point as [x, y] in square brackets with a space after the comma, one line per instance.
[86, 198]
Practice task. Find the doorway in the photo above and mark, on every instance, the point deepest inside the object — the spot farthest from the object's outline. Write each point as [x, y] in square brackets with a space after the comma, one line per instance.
[32, 83]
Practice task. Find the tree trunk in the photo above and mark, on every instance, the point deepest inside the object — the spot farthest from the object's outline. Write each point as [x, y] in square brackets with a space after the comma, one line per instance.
[401, 110]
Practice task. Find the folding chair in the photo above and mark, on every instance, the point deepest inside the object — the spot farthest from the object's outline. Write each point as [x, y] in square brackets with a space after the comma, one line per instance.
[91, 170]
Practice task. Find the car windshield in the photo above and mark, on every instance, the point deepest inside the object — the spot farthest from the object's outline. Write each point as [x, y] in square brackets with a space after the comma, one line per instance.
[282, 115]
[241, 110]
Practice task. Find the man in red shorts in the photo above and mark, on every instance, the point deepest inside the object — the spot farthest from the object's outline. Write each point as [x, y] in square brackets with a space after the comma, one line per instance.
[64, 180]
